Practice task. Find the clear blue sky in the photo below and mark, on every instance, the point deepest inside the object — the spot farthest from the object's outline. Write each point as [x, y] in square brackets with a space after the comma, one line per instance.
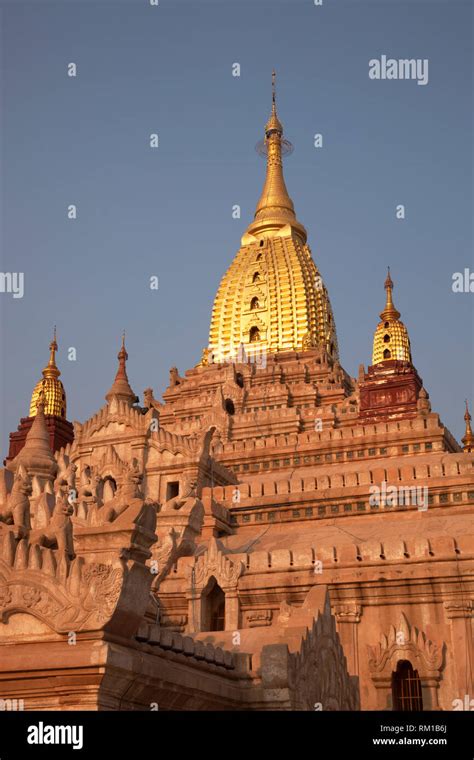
[167, 212]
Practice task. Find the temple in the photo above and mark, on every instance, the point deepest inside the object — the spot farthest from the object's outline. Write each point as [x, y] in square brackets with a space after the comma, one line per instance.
[271, 534]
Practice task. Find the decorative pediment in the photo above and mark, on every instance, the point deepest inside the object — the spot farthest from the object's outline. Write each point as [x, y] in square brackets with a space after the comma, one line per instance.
[405, 642]
[254, 291]
[252, 319]
[259, 268]
[111, 463]
[75, 592]
[65, 595]
[214, 563]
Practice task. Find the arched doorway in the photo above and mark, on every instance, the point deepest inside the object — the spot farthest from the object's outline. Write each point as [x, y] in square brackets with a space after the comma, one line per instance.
[406, 688]
[213, 607]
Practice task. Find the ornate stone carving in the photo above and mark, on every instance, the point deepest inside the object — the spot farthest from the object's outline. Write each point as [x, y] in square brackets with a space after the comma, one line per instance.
[405, 642]
[77, 595]
[128, 493]
[58, 532]
[89, 485]
[215, 563]
[184, 501]
[175, 379]
[16, 510]
[66, 477]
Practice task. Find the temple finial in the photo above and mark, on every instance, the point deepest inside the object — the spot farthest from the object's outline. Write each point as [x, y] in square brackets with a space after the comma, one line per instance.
[275, 208]
[468, 439]
[121, 386]
[273, 124]
[390, 312]
[51, 369]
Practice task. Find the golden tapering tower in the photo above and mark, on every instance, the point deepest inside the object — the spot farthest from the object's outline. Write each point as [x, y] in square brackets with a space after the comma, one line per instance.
[468, 439]
[51, 386]
[391, 339]
[272, 297]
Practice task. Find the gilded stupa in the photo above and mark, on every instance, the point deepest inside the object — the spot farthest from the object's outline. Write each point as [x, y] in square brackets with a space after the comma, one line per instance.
[272, 298]
[51, 386]
[391, 340]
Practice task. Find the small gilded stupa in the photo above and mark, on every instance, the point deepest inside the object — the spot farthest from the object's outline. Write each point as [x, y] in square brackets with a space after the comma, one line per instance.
[49, 394]
[51, 386]
[272, 298]
[391, 341]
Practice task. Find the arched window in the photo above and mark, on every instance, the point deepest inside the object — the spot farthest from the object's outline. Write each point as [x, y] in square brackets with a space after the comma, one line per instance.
[256, 277]
[254, 304]
[386, 338]
[386, 354]
[406, 688]
[386, 325]
[254, 335]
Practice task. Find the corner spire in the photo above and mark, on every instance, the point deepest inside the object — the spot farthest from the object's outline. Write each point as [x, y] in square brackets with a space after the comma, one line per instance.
[55, 396]
[36, 455]
[468, 439]
[275, 208]
[391, 340]
[121, 387]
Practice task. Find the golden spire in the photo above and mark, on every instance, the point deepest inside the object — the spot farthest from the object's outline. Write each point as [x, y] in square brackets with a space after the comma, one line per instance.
[391, 341]
[390, 312]
[121, 387]
[272, 297]
[51, 369]
[275, 208]
[468, 440]
[50, 386]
